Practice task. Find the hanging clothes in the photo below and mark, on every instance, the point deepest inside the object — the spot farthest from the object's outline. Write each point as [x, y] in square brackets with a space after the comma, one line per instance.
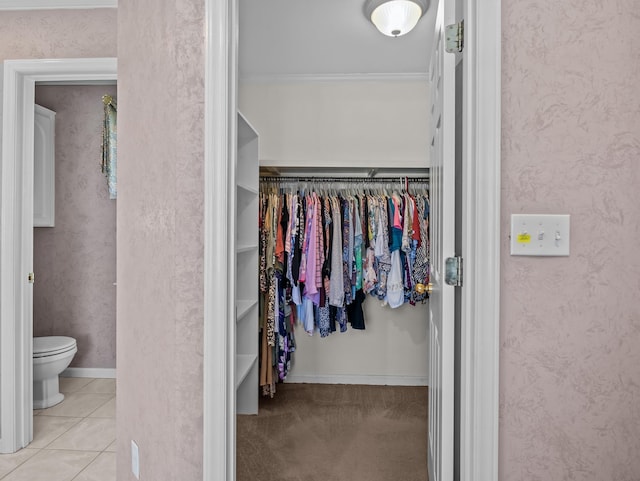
[323, 250]
[110, 144]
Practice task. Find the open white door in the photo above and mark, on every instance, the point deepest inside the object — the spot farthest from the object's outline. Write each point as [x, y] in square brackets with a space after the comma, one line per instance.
[442, 224]
[16, 259]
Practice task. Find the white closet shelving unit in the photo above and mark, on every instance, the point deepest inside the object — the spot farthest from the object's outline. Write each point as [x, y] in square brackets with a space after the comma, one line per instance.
[247, 334]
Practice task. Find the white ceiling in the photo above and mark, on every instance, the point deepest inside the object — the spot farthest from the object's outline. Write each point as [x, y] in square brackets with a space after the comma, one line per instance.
[324, 38]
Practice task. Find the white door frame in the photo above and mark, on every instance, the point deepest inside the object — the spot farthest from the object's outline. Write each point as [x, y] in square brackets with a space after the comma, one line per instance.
[219, 403]
[480, 337]
[481, 302]
[16, 222]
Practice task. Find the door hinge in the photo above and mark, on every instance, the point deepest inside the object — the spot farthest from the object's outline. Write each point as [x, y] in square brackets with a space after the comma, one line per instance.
[31, 277]
[454, 35]
[453, 271]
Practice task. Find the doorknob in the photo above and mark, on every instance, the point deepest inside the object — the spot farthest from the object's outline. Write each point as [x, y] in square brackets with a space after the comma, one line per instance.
[422, 288]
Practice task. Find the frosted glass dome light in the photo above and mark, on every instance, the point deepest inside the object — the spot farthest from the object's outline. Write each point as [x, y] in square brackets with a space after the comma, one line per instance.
[395, 17]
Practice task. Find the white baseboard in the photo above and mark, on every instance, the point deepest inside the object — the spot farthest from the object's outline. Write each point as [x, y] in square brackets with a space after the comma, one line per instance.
[374, 380]
[97, 372]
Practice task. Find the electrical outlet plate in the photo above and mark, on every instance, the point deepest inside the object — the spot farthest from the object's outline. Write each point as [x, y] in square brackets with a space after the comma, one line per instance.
[135, 460]
[539, 235]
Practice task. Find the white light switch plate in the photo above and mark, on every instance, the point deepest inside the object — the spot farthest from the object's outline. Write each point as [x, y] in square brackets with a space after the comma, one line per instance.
[135, 460]
[539, 235]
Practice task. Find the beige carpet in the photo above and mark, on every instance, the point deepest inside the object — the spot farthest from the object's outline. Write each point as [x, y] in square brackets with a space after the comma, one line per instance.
[321, 432]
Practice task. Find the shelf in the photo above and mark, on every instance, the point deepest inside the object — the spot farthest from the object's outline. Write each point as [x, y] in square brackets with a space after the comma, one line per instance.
[244, 363]
[247, 205]
[249, 248]
[246, 200]
[243, 307]
[248, 189]
[338, 169]
[246, 132]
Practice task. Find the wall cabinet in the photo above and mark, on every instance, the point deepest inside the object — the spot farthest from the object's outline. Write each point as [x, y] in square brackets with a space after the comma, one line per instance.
[247, 333]
[44, 167]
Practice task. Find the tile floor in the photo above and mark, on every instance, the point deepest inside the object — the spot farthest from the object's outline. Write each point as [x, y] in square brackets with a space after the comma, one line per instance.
[73, 441]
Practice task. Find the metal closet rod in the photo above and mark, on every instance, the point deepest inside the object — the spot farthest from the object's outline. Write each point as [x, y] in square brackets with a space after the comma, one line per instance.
[355, 180]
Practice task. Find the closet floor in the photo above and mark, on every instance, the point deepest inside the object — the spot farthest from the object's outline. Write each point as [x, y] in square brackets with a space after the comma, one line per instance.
[326, 432]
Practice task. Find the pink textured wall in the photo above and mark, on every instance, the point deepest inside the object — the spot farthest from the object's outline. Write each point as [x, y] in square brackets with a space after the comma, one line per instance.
[58, 33]
[570, 327]
[160, 237]
[75, 261]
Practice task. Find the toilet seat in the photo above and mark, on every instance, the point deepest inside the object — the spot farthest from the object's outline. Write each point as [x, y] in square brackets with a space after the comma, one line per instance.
[52, 345]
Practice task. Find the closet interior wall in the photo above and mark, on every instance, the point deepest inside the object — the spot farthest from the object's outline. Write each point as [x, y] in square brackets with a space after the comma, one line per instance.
[392, 349]
[322, 127]
[332, 124]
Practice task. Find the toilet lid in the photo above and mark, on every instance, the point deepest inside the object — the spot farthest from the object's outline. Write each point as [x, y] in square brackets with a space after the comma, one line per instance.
[52, 345]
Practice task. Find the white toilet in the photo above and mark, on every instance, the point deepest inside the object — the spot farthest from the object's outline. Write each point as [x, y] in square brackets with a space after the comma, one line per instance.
[51, 356]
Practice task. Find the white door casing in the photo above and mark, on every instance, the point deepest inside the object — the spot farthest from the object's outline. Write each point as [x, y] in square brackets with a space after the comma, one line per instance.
[16, 225]
[480, 317]
[221, 106]
[442, 224]
[481, 238]
[480, 337]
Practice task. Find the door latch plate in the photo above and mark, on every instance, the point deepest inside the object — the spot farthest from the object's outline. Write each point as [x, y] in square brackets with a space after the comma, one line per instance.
[453, 271]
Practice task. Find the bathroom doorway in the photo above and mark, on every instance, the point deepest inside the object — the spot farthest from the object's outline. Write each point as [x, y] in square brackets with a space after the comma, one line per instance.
[16, 291]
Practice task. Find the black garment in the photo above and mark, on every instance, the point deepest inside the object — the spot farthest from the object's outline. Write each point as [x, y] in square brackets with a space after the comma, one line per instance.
[365, 221]
[333, 317]
[355, 312]
[284, 223]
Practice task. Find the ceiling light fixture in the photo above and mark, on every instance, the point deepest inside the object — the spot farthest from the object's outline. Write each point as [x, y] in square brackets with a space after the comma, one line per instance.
[395, 17]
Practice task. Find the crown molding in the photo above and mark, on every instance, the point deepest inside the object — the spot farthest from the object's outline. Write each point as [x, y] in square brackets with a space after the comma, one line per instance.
[56, 4]
[328, 78]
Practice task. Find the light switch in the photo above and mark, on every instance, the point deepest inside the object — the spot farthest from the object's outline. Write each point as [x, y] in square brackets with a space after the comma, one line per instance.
[135, 459]
[539, 235]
